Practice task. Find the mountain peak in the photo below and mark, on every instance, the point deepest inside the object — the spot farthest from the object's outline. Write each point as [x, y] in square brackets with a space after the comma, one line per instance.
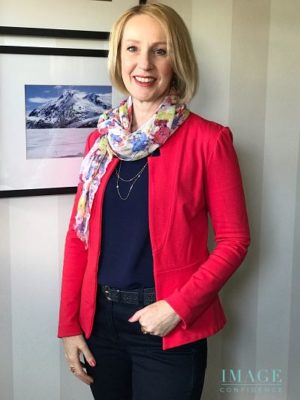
[71, 108]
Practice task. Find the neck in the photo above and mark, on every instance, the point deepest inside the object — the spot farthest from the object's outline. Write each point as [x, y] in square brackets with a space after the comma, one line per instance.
[142, 111]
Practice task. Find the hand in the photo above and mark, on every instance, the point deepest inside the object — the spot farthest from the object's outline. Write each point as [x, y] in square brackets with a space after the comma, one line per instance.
[73, 347]
[158, 318]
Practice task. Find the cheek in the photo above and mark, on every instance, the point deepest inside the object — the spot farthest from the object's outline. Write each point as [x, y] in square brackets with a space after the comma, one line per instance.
[168, 72]
[166, 68]
[123, 72]
[126, 66]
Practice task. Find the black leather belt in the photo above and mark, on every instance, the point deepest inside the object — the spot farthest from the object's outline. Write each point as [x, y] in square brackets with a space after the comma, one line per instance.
[135, 296]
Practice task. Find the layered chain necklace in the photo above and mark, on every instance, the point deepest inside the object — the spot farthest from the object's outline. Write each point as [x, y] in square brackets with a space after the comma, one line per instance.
[132, 180]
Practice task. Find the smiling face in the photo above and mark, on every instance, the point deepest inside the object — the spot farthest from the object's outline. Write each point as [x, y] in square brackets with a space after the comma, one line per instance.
[145, 63]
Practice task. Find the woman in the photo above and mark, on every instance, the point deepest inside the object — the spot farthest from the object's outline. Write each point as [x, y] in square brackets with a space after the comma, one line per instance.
[139, 289]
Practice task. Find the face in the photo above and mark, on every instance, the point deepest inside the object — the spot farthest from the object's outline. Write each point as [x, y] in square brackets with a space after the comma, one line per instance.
[145, 63]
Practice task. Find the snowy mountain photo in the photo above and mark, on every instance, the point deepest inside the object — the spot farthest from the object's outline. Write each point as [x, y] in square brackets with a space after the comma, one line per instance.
[59, 118]
[73, 108]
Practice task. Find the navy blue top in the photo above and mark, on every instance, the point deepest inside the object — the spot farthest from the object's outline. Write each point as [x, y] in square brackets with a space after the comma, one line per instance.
[126, 257]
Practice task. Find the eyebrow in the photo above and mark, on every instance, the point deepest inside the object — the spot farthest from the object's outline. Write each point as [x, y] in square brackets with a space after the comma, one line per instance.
[137, 41]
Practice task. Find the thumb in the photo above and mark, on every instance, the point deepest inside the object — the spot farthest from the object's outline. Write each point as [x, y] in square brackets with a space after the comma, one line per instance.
[88, 356]
[136, 316]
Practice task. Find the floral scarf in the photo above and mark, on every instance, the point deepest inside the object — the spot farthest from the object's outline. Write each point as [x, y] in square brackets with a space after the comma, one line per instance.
[116, 139]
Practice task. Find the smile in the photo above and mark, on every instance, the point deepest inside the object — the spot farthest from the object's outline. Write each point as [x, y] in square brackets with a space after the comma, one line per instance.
[142, 79]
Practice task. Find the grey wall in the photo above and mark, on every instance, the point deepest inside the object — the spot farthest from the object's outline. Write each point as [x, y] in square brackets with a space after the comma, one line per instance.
[249, 59]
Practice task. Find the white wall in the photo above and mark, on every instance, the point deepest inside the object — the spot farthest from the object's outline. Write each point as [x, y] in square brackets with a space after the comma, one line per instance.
[248, 53]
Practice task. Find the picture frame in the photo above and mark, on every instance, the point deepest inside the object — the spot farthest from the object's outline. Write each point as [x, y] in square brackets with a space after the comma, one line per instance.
[43, 64]
[68, 14]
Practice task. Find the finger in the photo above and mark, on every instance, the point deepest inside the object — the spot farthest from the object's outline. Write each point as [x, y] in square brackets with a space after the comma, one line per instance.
[88, 355]
[136, 316]
[79, 373]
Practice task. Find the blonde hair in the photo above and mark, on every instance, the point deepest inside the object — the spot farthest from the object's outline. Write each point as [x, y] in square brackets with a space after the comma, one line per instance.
[179, 46]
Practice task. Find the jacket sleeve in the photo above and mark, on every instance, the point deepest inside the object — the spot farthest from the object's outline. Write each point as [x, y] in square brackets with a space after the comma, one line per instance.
[226, 206]
[75, 260]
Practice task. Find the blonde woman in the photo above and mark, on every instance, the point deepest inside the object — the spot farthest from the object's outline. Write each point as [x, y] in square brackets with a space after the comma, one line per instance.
[139, 288]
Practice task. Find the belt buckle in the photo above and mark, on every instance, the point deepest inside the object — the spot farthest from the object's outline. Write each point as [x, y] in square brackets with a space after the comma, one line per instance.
[107, 293]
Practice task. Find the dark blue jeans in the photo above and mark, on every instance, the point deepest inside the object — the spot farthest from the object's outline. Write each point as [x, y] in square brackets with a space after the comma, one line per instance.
[133, 366]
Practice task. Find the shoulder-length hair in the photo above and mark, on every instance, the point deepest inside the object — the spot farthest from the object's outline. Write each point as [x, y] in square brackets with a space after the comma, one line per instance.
[179, 47]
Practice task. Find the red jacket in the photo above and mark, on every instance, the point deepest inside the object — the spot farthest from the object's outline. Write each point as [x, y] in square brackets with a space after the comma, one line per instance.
[196, 174]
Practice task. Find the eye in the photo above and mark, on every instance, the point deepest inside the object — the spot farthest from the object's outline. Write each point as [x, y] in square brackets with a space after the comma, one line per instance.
[131, 49]
[160, 51]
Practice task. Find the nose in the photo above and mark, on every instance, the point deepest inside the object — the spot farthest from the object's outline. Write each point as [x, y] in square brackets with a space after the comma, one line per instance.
[145, 61]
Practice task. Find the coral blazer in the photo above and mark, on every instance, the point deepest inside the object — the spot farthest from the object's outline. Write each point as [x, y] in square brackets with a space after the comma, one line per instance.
[197, 174]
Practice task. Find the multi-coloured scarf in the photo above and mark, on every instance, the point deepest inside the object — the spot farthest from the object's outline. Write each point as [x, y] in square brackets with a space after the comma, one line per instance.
[116, 139]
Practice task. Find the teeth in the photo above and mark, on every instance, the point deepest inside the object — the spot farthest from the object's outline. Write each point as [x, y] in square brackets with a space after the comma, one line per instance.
[144, 80]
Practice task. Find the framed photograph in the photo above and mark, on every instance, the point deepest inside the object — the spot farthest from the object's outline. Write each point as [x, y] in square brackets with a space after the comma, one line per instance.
[50, 100]
[93, 15]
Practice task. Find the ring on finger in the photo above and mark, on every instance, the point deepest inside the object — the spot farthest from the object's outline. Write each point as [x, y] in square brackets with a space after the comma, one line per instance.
[144, 331]
[72, 369]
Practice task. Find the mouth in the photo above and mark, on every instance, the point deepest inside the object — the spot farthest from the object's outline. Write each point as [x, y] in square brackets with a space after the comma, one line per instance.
[146, 80]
